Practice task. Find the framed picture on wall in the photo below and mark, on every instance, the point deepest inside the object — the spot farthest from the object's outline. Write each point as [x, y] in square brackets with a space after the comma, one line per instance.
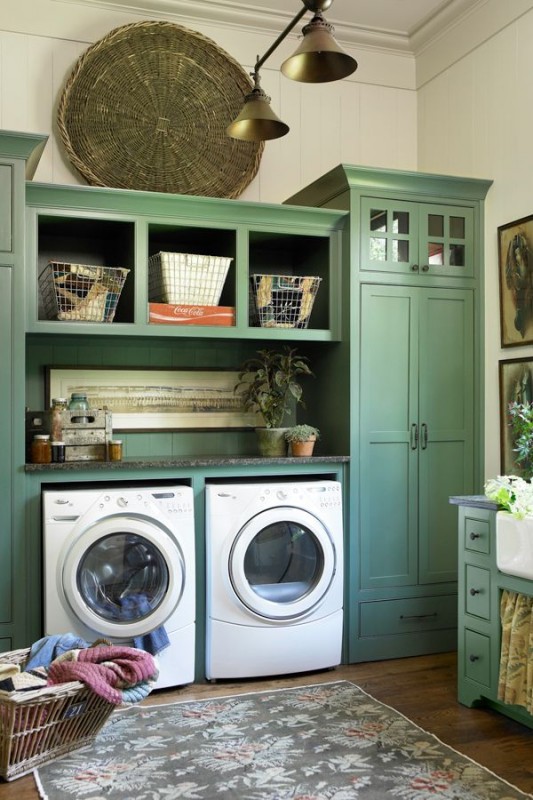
[516, 385]
[515, 257]
[156, 399]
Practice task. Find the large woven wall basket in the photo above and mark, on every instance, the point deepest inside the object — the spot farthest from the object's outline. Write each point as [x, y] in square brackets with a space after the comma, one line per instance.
[147, 108]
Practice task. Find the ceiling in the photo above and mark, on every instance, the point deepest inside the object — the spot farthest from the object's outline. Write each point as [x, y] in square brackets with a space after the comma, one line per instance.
[395, 16]
[402, 25]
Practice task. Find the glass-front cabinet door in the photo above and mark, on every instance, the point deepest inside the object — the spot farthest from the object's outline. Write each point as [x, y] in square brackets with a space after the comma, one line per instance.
[416, 238]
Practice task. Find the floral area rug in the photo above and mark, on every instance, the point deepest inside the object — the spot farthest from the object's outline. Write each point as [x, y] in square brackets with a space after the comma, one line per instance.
[322, 742]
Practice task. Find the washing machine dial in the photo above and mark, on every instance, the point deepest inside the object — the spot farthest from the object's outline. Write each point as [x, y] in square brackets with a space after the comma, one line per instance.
[281, 494]
[122, 502]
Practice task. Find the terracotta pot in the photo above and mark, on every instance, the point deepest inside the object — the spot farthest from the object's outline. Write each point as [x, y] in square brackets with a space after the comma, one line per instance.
[303, 448]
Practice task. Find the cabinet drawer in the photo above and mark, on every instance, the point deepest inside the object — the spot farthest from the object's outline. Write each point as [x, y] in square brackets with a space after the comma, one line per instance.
[385, 617]
[477, 535]
[477, 591]
[477, 657]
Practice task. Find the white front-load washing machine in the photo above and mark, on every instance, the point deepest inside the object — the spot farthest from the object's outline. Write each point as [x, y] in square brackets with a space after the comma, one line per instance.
[119, 563]
[274, 577]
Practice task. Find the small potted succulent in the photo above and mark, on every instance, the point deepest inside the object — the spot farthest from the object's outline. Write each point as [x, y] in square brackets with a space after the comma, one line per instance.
[301, 439]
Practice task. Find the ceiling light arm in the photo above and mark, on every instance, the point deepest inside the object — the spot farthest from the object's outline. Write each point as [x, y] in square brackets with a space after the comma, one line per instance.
[260, 61]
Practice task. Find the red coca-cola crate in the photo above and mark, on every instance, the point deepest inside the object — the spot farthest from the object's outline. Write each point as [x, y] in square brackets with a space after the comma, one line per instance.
[181, 314]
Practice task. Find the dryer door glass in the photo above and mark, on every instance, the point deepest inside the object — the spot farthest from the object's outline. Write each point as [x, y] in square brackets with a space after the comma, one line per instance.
[283, 562]
[122, 577]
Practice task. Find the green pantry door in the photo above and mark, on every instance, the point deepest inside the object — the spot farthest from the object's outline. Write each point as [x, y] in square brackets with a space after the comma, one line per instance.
[416, 449]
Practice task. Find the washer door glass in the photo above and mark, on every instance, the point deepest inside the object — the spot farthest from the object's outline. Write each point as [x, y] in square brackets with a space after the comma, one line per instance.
[282, 563]
[124, 576]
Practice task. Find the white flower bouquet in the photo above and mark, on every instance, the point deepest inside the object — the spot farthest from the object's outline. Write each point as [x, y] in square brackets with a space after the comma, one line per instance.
[512, 493]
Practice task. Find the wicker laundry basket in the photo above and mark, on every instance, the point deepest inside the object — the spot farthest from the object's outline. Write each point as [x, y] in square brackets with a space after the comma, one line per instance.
[38, 726]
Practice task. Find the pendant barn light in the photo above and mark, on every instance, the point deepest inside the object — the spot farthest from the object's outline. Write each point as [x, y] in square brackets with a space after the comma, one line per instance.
[318, 59]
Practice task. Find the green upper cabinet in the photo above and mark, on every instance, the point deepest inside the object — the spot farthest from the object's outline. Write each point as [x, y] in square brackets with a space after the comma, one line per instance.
[416, 432]
[405, 237]
[113, 228]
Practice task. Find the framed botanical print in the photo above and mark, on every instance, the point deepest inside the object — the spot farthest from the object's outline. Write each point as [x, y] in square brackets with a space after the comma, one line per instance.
[516, 386]
[515, 256]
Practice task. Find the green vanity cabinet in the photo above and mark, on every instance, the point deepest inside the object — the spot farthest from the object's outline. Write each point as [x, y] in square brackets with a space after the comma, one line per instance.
[414, 253]
[480, 586]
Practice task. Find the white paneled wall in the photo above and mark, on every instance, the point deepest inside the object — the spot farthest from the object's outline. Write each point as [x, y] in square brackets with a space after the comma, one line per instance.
[475, 118]
[369, 118]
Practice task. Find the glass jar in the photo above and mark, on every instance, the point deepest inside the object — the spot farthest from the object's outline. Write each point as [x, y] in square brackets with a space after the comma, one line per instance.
[58, 452]
[41, 450]
[115, 450]
[59, 405]
[78, 402]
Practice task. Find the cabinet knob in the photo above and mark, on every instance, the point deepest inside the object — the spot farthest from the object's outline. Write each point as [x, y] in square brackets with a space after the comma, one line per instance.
[474, 658]
[473, 592]
[474, 536]
[414, 267]
[425, 268]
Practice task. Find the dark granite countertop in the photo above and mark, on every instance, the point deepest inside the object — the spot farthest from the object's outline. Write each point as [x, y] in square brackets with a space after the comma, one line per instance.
[187, 462]
[475, 500]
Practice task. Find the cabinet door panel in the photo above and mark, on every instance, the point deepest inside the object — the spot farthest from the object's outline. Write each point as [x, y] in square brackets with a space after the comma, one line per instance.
[6, 439]
[388, 454]
[446, 241]
[389, 235]
[446, 420]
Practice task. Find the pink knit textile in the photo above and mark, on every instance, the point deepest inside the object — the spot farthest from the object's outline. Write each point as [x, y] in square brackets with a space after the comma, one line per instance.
[105, 669]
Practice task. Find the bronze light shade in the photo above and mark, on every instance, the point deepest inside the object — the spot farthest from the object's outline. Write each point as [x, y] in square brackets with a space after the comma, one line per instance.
[318, 59]
[257, 122]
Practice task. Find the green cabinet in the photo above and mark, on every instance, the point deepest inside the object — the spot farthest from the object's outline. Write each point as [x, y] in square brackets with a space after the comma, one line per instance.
[480, 587]
[416, 431]
[405, 237]
[120, 228]
[17, 161]
[414, 254]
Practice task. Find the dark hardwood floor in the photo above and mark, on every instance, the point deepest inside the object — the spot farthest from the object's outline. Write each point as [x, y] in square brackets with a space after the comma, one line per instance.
[422, 688]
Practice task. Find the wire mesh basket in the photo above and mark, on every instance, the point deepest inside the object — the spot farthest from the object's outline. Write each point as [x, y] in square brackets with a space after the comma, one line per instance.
[81, 292]
[187, 278]
[38, 726]
[282, 301]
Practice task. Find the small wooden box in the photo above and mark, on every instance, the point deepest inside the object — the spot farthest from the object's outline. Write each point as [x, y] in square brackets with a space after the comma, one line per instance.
[86, 441]
[180, 314]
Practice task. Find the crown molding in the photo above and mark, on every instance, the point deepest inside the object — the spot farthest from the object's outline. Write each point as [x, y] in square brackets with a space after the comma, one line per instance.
[248, 17]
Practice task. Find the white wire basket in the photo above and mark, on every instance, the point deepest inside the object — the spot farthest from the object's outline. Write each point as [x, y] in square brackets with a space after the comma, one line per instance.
[81, 292]
[282, 301]
[187, 278]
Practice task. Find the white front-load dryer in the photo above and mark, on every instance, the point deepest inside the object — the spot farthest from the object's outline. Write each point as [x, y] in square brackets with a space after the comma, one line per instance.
[274, 588]
[119, 563]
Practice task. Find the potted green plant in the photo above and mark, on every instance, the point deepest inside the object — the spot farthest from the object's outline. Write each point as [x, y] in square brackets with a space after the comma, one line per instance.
[521, 424]
[268, 384]
[301, 439]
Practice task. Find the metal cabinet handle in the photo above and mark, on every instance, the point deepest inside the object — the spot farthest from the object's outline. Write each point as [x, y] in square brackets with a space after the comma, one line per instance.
[474, 658]
[474, 536]
[425, 268]
[423, 436]
[414, 436]
[414, 267]
[418, 616]
[473, 592]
